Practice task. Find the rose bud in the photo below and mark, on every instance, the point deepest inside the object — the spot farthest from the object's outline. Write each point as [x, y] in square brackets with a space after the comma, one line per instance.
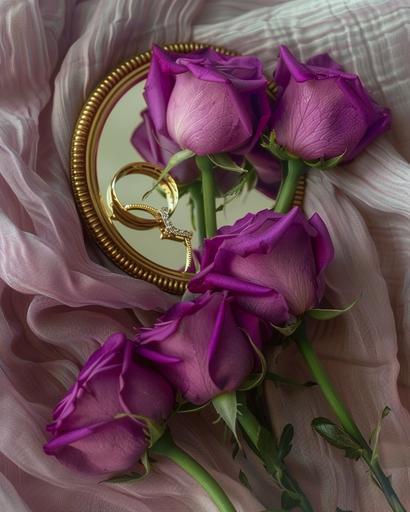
[201, 347]
[158, 149]
[207, 102]
[91, 431]
[323, 112]
[270, 262]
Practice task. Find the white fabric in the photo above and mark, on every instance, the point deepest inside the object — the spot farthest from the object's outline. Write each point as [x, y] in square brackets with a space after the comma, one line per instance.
[58, 302]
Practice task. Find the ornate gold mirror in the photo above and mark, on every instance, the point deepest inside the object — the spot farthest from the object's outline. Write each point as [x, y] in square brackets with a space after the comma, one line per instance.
[150, 238]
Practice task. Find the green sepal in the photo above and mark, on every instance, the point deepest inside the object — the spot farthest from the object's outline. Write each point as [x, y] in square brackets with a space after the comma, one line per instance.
[328, 314]
[323, 164]
[285, 441]
[183, 189]
[247, 182]
[224, 161]
[276, 149]
[126, 478]
[133, 476]
[287, 330]
[175, 160]
[338, 437]
[226, 405]
[283, 154]
[255, 379]
[187, 407]
[374, 436]
[152, 430]
[279, 379]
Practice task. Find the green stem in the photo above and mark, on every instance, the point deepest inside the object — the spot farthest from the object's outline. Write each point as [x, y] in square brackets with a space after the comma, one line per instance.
[345, 418]
[196, 195]
[327, 387]
[284, 169]
[208, 193]
[288, 186]
[265, 445]
[165, 446]
[251, 425]
[385, 485]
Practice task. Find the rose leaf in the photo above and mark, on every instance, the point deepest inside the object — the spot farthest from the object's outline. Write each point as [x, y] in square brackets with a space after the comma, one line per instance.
[338, 437]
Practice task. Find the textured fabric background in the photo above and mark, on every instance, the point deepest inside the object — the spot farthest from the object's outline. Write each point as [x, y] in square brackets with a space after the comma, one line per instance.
[58, 302]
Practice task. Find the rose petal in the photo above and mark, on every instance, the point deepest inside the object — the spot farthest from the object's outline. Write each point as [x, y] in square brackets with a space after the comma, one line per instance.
[230, 355]
[109, 448]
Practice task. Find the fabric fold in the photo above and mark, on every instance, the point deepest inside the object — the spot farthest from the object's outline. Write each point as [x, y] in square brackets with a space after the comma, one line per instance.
[59, 302]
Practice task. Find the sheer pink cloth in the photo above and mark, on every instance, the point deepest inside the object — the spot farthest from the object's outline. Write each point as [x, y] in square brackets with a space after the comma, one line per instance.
[58, 300]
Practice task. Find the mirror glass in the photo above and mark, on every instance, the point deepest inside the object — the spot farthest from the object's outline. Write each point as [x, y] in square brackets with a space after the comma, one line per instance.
[115, 150]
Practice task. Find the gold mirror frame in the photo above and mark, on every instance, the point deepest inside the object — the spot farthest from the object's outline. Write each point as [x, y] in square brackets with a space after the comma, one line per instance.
[84, 180]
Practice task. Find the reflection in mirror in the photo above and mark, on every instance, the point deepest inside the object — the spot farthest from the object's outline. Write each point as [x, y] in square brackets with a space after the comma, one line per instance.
[116, 150]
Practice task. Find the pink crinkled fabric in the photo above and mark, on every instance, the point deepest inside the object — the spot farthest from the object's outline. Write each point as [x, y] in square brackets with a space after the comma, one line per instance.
[59, 299]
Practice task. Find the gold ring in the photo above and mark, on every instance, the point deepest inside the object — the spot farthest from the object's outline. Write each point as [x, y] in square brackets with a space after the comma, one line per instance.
[122, 212]
[161, 216]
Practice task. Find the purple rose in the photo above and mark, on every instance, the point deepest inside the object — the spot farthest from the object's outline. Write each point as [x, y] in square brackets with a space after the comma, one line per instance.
[87, 433]
[200, 346]
[272, 263]
[207, 102]
[158, 149]
[324, 112]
